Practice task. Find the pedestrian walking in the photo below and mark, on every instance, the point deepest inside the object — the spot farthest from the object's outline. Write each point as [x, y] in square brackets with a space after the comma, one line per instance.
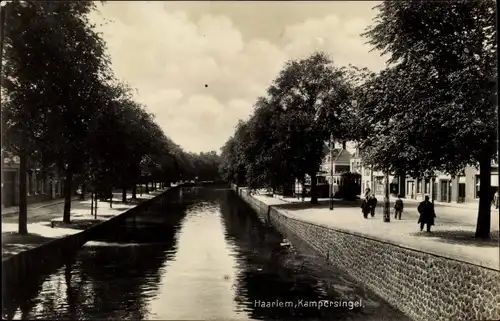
[427, 214]
[372, 203]
[398, 208]
[365, 208]
[496, 199]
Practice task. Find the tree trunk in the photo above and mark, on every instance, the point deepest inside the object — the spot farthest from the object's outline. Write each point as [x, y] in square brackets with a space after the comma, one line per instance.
[124, 195]
[67, 194]
[147, 187]
[95, 206]
[111, 199]
[484, 212]
[92, 196]
[314, 191]
[134, 191]
[402, 184]
[23, 195]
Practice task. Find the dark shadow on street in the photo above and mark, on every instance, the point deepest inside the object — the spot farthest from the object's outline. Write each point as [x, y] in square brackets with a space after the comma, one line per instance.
[461, 238]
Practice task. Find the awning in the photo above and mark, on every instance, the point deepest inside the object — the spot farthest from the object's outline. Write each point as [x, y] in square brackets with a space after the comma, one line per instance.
[494, 181]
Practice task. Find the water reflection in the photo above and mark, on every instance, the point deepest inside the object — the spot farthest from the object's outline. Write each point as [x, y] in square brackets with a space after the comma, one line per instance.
[203, 255]
[270, 272]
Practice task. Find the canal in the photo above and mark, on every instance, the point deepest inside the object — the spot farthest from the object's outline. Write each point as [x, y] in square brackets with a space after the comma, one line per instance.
[201, 255]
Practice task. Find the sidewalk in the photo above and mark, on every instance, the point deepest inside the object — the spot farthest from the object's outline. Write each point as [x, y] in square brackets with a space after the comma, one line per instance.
[471, 205]
[41, 218]
[452, 236]
[15, 209]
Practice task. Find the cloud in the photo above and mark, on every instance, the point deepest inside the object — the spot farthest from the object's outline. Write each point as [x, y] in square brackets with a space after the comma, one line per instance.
[199, 76]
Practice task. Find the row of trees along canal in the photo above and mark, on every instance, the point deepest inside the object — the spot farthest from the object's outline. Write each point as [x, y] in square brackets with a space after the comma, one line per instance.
[63, 108]
[432, 109]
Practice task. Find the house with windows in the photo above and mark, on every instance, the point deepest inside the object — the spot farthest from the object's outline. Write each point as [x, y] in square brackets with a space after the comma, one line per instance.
[40, 187]
[464, 188]
[339, 159]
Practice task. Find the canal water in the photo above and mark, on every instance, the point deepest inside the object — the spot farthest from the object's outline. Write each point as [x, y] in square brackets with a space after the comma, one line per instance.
[203, 255]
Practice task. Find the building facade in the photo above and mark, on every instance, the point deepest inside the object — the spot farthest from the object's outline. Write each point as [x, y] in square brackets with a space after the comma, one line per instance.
[463, 188]
[339, 160]
[39, 187]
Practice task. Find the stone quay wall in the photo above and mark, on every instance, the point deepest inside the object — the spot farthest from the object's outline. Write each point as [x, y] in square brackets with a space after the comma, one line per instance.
[51, 254]
[421, 285]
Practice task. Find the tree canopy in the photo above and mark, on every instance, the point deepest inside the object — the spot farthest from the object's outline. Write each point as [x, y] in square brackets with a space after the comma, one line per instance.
[284, 138]
[438, 97]
[433, 108]
[63, 109]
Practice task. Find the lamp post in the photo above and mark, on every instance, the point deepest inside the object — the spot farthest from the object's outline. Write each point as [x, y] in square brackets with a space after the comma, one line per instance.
[331, 172]
[387, 203]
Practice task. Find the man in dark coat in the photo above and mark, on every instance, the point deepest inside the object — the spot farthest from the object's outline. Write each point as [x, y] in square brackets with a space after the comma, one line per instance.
[372, 202]
[427, 214]
[365, 208]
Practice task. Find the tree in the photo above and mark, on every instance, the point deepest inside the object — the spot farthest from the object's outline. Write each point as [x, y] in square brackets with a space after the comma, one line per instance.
[265, 160]
[52, 60]
[447, 52]
[313, 95]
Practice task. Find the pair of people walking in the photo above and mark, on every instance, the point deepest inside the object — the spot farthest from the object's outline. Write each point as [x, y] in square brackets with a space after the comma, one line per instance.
[425, 209]
[369, 204]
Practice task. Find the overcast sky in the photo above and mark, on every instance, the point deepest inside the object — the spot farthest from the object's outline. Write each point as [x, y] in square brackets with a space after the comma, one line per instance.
[169, 51]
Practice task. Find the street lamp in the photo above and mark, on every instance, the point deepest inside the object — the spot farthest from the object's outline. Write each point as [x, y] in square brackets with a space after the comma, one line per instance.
[387, 203]
[331, 172]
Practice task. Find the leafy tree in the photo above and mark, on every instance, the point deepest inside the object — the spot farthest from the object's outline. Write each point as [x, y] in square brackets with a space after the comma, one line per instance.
[313, 95]
[233, 164]
[264, 161]
[51, 95]
[446, 52]
[78, 54]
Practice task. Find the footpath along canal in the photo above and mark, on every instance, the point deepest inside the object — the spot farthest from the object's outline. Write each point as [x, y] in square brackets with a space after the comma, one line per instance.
[200, 255]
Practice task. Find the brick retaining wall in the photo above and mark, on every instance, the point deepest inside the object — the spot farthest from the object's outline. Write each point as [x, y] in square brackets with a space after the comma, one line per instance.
[49, 255]
[421, 285]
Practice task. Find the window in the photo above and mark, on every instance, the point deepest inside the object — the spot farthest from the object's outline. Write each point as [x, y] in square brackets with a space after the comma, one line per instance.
[419, 186]
[476, 187]
[427, 186]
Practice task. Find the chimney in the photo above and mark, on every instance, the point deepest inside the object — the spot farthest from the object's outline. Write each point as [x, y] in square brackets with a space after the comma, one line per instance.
[344, 144]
